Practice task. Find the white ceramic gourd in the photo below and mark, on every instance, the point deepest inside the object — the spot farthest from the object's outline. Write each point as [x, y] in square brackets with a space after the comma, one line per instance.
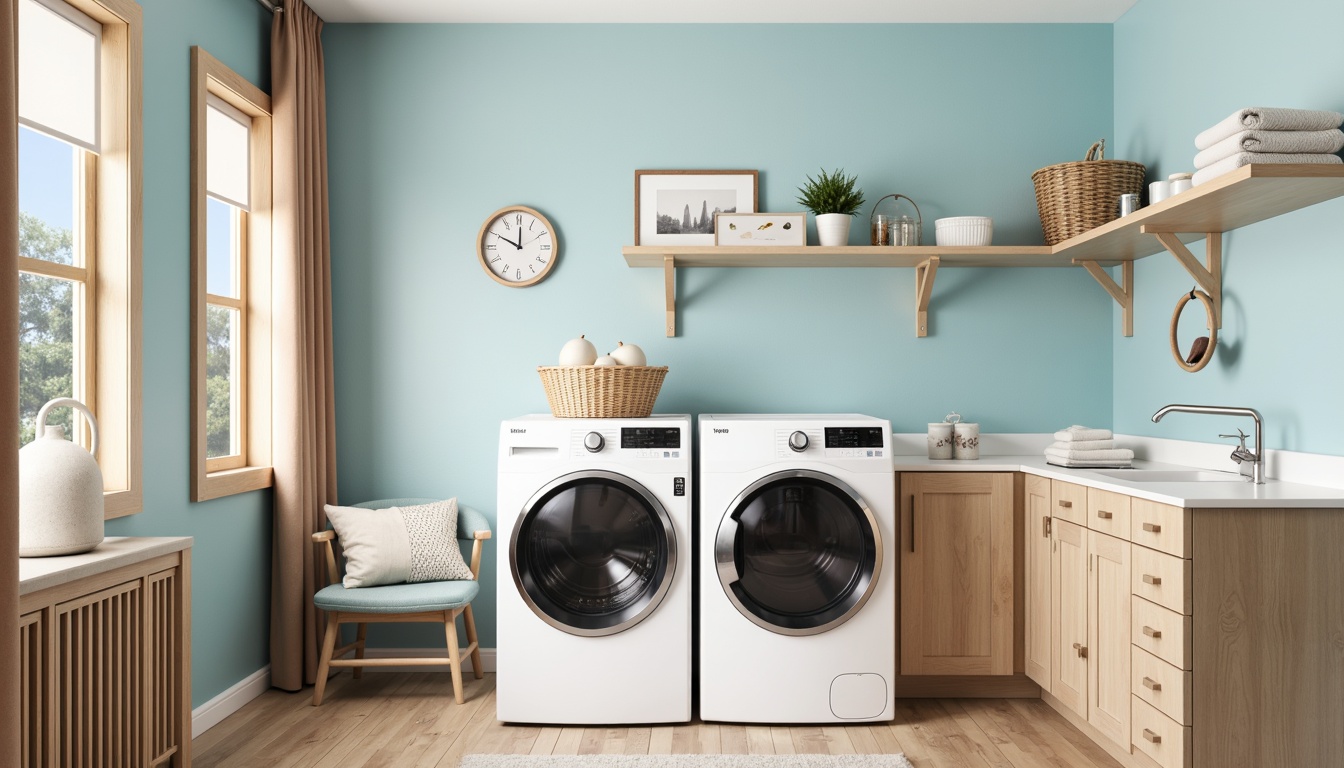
[60, 490]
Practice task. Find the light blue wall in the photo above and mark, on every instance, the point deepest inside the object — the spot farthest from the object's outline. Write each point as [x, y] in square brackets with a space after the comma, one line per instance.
[231, 560]
[433, 127]
[1180, 67]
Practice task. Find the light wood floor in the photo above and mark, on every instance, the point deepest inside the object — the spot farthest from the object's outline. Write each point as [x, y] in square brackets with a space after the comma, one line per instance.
[407, 719]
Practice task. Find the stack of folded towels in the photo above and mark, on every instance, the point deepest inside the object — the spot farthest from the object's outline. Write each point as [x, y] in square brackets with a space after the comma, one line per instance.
[1268, 135]
[1082, 447]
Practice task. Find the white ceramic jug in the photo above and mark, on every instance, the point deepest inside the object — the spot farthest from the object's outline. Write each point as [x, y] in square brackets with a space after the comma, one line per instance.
[60, 490]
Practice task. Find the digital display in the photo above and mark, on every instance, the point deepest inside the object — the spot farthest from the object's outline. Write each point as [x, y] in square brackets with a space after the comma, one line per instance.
[854, 437]
[651, 437]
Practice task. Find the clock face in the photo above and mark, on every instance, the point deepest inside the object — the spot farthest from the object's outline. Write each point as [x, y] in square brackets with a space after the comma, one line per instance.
[517, 246]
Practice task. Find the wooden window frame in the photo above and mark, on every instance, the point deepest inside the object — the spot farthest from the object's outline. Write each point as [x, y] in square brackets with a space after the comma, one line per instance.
[113, 238]
[250, 470]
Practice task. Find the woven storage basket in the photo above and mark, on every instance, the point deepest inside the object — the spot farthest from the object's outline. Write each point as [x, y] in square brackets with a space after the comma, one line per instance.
[1075, 197]
[601, 392]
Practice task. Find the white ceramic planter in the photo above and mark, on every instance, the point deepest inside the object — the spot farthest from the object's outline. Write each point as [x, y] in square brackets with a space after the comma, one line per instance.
[833, 228]
[60, 490]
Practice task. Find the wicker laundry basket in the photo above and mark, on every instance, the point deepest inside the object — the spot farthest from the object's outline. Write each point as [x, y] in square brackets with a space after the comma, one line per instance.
[601, 392]
[1075, 197]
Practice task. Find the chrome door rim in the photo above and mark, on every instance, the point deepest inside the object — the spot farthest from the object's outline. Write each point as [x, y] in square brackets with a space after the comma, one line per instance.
[625, 622]
[725, 562]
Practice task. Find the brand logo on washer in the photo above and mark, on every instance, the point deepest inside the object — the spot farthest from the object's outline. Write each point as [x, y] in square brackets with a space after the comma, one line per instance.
[517, 431]
[719, 431]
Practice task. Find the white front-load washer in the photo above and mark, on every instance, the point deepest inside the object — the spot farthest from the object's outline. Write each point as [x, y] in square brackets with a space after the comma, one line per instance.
[797, 568]
[594, 576]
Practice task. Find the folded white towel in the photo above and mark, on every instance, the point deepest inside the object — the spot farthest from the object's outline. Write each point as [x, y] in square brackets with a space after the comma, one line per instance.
[1228, 164]
[1084, 445]
[1324, 142]
[1114, 454]
[1077, 464]
[1075, 433]
[1269, 119]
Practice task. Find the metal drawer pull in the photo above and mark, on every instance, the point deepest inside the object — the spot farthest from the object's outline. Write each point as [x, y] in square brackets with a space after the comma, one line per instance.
[1151, 684]
[1045, 526]
[1081, 649]
[1152, 528]
[1066, 504]
[1150, 736]
[1156, 581]
[1103, 514]
[1153, 633]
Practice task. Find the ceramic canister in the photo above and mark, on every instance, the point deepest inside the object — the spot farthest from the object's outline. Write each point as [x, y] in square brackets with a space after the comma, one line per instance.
[940, 440]
[965, 441]
[60, 490]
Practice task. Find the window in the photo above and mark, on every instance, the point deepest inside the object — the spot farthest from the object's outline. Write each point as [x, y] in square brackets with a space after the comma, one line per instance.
[79, 227]
[231, 257]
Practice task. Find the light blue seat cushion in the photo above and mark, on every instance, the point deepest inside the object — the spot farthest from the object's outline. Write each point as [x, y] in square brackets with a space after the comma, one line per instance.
[469, 521]
[398, 598]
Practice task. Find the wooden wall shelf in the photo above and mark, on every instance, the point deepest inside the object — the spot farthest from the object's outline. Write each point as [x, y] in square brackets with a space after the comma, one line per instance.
[1245, 196]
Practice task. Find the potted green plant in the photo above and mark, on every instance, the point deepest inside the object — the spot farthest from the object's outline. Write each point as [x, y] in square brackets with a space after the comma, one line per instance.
[832, 197]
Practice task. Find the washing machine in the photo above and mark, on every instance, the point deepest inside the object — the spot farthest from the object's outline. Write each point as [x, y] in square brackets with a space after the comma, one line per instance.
[594, 571]
[797, 609]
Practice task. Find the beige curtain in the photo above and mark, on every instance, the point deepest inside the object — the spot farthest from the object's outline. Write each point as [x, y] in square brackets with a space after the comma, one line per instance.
[9, 390]
[304, 419]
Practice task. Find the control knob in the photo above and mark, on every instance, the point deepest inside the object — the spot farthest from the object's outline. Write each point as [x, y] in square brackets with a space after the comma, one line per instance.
[798, 442]
[594, 442]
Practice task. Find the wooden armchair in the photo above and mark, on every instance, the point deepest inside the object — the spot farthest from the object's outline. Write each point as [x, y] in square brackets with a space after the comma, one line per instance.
[431, 601]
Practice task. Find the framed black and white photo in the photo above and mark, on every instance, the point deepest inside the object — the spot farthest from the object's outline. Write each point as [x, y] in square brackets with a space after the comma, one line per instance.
[678, 207]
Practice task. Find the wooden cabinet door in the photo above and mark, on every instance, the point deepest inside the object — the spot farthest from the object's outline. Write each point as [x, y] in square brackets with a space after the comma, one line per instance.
[1068, 595]
[1108, 646]
[1037, 541]
[957, 573]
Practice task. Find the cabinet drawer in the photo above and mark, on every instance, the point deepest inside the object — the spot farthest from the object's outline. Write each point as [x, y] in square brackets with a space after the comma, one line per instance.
[1159, 737]
[1162, 685]
[1163, 633]
[1069, 502]
[1163, 579]
[1108, 513]
[1160, 526]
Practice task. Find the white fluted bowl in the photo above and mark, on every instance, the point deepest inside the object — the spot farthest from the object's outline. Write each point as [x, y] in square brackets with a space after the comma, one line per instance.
[964, 230]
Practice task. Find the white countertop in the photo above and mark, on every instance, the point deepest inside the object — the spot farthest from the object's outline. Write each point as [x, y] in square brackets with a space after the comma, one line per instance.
[37, 573]
[1231, 495]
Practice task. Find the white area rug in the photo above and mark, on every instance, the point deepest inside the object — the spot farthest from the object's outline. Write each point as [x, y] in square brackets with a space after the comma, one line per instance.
[685, 761]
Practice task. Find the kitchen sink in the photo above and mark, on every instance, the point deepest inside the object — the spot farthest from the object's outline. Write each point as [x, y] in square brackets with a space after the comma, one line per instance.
[1172, 476]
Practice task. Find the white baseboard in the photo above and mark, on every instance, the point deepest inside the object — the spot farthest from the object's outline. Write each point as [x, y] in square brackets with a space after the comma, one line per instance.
[213, 712]
[487, 659]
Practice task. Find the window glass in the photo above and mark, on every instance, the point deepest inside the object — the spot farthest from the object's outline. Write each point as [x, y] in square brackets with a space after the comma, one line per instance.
[221, 382]
[46, 347]
[221, 248]
[46, 197]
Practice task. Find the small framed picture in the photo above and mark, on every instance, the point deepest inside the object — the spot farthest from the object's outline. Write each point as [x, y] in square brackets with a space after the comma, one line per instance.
[678, 207]
[760, 229]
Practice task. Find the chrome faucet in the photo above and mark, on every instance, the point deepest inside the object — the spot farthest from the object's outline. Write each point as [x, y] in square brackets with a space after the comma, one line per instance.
[1256, 458]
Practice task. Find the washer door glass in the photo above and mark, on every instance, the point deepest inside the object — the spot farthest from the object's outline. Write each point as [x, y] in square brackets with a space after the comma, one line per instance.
[798, 552]
[593, 553]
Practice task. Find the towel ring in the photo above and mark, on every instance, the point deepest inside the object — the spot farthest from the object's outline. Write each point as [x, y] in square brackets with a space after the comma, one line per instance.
[1198, 357]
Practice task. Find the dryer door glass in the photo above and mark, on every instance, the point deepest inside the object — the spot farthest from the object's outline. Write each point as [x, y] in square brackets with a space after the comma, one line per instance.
[593, 553]
[798, 552]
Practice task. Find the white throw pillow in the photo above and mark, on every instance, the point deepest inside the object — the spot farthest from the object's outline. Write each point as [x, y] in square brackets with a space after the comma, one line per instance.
[399, 544]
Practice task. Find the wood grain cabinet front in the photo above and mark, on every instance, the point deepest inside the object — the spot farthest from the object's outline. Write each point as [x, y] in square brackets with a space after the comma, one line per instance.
[957, 573]
[1037, 542]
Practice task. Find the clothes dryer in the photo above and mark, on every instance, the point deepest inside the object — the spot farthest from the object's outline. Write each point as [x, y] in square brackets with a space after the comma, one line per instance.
[594, 570]
[797, 601]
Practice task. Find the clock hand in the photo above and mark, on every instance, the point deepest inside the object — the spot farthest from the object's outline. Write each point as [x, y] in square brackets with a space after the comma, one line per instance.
[507, 240]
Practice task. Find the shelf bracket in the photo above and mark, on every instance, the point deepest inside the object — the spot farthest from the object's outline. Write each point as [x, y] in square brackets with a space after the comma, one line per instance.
[1209, 276]
[1124, 296]
[670, 292]
[924, 274]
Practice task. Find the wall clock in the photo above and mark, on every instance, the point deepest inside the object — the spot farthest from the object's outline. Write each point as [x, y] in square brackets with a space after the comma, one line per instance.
[517, 246]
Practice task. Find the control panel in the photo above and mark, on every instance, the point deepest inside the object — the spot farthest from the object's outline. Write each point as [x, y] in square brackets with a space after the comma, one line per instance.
[631, 442]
